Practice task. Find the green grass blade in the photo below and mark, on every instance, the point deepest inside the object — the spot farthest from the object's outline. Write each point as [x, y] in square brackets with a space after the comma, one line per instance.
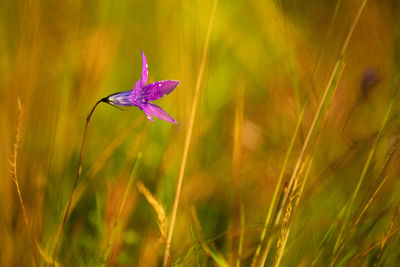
[340, 238]
[277, 188]
[115, 224]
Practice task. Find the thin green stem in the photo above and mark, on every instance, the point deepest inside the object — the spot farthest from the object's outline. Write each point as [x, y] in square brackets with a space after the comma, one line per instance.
[340, 239]
[188, 137]
[121, 208]
[325, 98]
[277, 188]
[335, 84]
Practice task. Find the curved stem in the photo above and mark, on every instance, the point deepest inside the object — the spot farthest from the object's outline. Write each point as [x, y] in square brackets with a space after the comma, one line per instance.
[75, 183]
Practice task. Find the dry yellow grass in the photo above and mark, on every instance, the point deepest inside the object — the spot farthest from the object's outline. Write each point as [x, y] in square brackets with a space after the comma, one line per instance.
[13, 163]
[158, 209]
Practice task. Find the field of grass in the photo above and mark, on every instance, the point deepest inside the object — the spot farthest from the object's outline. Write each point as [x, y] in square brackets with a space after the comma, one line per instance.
[286, 151]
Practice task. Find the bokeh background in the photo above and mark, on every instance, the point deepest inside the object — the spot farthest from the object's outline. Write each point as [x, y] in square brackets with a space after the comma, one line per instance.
[266, 61]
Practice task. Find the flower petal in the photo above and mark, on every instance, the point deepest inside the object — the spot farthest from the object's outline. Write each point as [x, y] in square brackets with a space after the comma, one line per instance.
[156, 111]
[145, 71]
[136, 91]
[154, 91]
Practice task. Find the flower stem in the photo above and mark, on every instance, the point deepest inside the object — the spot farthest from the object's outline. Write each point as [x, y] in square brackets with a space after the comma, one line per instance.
[75, 183]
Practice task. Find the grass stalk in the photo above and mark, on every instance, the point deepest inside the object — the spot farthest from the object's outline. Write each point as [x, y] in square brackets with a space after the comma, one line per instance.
[13, 163]
[322, 107]
[121, 208]
[277, 188]
[241, 239]
[236, 165]
[326, 237]
[325, 45]
[195, 240]
[325, 99]
[158, 209]
[209, 250]
[372, 247]
[328, 94]
[308, 158]
[385, 237]
[364, 209]
[382, 169]
[293, 201]
[188, 137]
[340, 239]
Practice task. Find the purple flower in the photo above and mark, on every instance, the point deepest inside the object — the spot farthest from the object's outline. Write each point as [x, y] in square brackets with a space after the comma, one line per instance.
[141, 94]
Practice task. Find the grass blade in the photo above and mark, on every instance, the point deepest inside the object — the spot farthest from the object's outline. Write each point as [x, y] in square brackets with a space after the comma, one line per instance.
[188, 136]
[277, 188]
[121, 208]
[340, 239]
[209, 250]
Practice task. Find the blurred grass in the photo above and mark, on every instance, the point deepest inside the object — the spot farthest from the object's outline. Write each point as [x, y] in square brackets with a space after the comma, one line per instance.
[59, 58]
